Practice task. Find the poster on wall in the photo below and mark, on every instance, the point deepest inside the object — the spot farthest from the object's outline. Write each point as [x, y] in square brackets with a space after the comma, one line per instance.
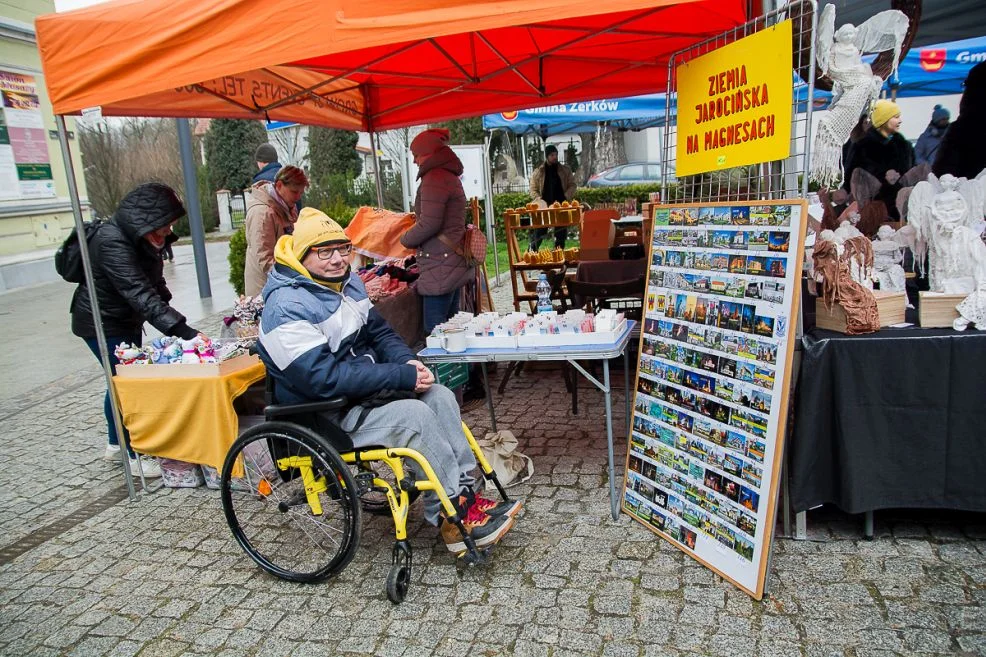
[714, 371]
[25, 167]
[734, 104]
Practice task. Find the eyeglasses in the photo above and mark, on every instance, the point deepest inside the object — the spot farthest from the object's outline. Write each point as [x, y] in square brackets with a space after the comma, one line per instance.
[326, 252]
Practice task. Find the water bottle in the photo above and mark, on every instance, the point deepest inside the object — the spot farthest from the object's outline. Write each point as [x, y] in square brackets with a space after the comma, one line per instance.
[544, 294]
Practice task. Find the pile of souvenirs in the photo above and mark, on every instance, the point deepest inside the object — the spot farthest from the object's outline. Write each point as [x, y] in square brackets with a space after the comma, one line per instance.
[244, 323]
[493, 330]
[169, 350]
[389, 277]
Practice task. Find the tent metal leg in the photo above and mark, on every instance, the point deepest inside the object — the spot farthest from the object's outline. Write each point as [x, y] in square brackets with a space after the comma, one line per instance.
[194, 211]
[376, 168]
[104, 357]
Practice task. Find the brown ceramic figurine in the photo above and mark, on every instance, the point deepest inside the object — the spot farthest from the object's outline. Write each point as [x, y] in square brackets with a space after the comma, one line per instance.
[831, 265]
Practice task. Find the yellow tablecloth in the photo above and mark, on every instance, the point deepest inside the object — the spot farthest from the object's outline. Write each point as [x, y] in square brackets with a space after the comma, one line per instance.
[188, 419]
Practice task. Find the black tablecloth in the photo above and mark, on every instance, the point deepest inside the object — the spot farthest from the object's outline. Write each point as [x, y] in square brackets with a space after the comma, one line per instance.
[894, 419]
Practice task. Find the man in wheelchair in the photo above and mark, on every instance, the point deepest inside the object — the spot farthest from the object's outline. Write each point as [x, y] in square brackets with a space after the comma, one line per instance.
[321, 338]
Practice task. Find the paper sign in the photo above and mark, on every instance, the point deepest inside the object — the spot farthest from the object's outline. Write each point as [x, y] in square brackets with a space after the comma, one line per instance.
[734, 104]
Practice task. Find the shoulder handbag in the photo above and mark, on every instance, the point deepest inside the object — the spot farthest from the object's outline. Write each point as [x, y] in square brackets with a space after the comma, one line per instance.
[473, 246]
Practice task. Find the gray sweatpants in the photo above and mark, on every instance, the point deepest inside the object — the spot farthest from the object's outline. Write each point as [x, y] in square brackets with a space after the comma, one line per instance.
[430, 425]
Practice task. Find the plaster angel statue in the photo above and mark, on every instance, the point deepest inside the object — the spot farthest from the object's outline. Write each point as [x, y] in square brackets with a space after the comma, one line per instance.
[945, 221]
[839, 54]
[888, 258]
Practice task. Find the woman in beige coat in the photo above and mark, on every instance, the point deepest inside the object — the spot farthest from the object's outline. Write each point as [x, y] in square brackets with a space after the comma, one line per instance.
[270, 213]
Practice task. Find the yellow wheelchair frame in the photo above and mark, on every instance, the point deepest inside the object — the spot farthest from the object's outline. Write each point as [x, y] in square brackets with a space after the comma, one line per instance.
[325, 477]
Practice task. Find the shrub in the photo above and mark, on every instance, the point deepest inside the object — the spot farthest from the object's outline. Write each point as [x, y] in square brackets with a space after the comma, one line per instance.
[237, 260]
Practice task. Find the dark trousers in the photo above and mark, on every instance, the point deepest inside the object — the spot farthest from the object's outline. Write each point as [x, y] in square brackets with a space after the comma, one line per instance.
[538, 234]
[112, 342]
[437, 309]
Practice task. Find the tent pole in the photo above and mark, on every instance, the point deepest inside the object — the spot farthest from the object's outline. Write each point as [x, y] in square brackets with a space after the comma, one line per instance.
[194, 211]
[376, 169]
[490, 219]
[104, 357]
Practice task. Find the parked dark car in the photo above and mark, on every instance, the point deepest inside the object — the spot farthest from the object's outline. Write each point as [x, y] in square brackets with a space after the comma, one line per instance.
[635, 173]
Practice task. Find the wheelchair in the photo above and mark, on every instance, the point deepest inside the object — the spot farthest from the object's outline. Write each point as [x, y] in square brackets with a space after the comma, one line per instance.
[294, 489]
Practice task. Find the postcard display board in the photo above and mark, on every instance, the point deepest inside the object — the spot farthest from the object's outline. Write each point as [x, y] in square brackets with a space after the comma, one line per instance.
[711, 397]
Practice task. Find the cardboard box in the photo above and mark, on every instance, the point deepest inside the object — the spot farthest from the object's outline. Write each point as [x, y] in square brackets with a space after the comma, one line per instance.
[937, 310]
[187, 371]
[890, 307]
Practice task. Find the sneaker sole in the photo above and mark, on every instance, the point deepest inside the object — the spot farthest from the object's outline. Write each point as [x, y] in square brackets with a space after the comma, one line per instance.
[460, 548]
[112, 457]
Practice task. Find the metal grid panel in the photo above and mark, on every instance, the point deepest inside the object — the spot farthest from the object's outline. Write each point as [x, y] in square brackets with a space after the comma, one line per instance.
[782, 179]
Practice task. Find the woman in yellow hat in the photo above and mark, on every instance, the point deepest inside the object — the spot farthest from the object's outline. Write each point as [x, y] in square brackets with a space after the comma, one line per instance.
[884, 153]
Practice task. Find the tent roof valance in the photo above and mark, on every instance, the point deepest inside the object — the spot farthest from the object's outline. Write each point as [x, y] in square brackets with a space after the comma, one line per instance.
[361, 65]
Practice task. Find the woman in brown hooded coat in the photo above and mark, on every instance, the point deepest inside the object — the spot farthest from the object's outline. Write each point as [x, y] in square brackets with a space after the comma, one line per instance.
[439, 227]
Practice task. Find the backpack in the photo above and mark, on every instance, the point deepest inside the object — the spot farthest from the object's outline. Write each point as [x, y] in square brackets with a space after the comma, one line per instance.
[68, 257]
[473, 247]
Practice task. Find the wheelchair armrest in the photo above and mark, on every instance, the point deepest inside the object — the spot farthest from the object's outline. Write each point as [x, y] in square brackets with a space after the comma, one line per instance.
[287, 410]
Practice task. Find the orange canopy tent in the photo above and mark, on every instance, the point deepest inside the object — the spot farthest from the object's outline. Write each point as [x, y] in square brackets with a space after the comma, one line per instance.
[365, 65]
[355, 64]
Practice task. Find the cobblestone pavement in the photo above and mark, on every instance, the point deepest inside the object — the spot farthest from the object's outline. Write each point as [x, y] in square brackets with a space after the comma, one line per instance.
[163, 576]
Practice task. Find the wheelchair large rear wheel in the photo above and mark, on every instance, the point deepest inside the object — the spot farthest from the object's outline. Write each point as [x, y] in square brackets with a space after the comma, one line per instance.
[294, 507]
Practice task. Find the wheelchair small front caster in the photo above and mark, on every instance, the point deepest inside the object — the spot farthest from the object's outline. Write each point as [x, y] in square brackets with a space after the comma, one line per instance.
[399, 578]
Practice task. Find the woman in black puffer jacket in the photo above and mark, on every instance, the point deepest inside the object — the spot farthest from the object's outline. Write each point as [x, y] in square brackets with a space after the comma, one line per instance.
[129, 277]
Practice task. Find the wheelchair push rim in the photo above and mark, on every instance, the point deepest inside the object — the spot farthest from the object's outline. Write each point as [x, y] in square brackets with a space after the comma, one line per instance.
[293, 507]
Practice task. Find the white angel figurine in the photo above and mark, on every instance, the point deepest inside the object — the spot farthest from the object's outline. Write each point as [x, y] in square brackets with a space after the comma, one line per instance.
[839, 54]
[946, 216]
[888, 254]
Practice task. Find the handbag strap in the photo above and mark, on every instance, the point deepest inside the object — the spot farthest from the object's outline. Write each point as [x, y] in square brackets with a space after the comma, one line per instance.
[455, 247]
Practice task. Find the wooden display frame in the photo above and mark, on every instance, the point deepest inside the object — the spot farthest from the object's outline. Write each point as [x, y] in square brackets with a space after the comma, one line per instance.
[712, 387]
[520, 272]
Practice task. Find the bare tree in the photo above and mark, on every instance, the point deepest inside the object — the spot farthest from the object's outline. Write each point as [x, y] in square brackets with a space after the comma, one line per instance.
[119, 154]
[292, 144]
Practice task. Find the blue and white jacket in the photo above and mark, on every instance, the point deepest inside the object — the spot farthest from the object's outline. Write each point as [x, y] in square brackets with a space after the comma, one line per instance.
[318, 343]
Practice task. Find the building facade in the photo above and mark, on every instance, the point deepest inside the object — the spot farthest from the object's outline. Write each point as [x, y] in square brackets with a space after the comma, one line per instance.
[35, 211]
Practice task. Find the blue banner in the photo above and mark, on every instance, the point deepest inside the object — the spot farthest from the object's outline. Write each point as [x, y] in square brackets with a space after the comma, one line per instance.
[939, 69]
[633, 113]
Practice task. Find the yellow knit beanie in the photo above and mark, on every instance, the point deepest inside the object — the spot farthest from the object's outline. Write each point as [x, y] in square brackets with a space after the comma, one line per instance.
[883, 111]
[315, 228]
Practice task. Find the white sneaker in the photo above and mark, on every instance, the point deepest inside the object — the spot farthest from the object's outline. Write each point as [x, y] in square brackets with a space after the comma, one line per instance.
[112, 453]
[152, 469]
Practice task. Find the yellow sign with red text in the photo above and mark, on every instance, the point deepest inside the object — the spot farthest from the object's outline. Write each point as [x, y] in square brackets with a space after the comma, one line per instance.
[734, 104]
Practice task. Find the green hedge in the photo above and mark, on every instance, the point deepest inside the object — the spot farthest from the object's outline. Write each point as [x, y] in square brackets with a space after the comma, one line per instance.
[237, 259]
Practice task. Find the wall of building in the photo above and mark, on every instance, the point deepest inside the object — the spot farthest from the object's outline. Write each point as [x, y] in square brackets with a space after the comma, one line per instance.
[35, 224]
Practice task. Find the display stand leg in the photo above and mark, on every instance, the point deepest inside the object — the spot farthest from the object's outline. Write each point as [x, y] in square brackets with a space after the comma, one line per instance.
[489, 397]
[868, 525]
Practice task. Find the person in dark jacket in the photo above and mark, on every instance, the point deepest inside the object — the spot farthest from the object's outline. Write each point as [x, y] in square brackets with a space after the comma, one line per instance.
[927, 144]
[552, 182]
[884, 153]
[130, 285]
[439, 227]
[267, 163]
[962, 152]
[321, 337]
